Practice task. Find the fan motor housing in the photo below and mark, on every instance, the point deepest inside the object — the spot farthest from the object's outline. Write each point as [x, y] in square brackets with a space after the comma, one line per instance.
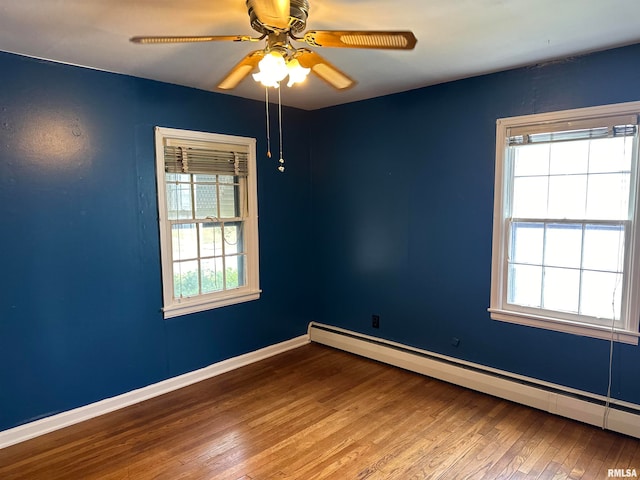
[298, 13]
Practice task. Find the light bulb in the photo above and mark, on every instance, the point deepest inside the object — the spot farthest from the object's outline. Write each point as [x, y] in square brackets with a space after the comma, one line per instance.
[297, 73]
[272, 70]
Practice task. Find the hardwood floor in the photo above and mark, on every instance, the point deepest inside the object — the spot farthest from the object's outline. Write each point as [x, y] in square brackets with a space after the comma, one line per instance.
[316, 413]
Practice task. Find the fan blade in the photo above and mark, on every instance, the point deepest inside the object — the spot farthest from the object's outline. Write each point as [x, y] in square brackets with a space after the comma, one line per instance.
[215, 38]
[361, 39]
[271, 13]
[325, 70]
[241, 70]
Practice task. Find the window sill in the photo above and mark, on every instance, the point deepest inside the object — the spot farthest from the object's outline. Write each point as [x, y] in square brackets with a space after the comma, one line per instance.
[200, 304]
[583, 329]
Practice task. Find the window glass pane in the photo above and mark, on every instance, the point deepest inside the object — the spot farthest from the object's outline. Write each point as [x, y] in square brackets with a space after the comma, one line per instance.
[563, 245]
[185, 279]
[526, 242]
[178, 177]
[569, 157]
[531, 160]
[210, 240]
[184, 239]
[233, 239]
[179, 201]
[601, 294]
[610, 155]
[206, 199]
[530, 197]
[202, 178]
[608, 196]
[603, 247]
[561, 289]
[228, 201]
[235, 271]
[227, 179]
[525, 282]
[567, 196]
[212, 278]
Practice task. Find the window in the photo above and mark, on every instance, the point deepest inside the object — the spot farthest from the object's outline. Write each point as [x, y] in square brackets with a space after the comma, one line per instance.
[566, 248]
[208, 220]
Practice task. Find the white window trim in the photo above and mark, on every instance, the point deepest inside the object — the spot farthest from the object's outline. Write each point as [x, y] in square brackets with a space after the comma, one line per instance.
[497, 309]
[173, 307]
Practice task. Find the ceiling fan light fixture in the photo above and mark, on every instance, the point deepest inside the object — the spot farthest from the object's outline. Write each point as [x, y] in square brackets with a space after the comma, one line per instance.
[273, 69]
[297, 73]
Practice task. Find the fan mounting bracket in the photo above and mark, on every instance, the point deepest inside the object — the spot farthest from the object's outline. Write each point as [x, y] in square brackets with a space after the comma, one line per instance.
[298, 13]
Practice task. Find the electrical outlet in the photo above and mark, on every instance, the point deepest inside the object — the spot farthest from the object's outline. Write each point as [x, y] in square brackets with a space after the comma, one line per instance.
[375, 321]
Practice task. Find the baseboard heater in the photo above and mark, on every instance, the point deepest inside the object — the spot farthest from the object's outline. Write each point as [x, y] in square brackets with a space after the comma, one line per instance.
[614, 415]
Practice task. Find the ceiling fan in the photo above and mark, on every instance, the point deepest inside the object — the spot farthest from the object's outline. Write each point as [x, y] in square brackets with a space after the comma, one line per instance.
[279, 22]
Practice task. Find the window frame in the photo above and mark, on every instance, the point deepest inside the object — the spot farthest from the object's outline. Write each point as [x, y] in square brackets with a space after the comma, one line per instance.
[174, 307]
[499, 309]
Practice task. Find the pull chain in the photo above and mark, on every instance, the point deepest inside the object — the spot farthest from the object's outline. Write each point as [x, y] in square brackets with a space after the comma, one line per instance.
[281, 160]
[266, 102]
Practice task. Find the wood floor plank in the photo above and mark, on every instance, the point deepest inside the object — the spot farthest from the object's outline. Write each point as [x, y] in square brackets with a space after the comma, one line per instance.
[316, 413]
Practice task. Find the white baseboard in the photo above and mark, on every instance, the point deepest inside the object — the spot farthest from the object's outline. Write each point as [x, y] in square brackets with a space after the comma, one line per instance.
[77, 415]
[622, 417]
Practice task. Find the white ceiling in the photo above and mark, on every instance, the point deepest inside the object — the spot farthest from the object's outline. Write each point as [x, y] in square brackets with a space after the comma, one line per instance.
[456, 39]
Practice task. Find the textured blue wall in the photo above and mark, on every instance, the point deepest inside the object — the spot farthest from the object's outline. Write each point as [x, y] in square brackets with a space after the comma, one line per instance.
[389, 204]
[80, 293]
[403, 212]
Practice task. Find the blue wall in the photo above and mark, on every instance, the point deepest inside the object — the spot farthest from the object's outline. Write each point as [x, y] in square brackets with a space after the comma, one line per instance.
[386, 207]
[403, 212]
[80, 297]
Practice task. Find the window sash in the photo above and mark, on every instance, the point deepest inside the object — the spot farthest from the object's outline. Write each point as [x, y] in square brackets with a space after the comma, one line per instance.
[219, 252]
[238, 201]
[579, 266]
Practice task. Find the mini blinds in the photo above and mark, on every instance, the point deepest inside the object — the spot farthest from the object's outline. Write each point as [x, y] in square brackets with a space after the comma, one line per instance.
[209, 161]
[605, 127]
